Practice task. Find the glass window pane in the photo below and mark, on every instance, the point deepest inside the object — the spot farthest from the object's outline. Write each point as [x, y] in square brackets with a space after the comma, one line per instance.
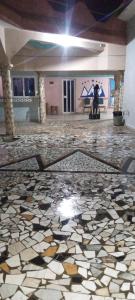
[68, 95]
[64, 84]
[17, 86]
[72, 96]
[65, 104]
[29, 86]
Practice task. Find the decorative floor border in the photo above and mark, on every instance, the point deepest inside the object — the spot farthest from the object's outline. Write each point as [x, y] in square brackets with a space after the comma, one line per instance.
[37, 157]
[85, 153]
[43, 167]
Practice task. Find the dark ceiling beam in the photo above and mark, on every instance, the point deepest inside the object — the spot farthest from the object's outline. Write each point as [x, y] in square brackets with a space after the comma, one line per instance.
[10, 16]
[112, 31]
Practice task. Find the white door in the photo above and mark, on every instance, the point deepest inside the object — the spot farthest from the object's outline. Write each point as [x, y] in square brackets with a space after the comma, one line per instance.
[68, 95]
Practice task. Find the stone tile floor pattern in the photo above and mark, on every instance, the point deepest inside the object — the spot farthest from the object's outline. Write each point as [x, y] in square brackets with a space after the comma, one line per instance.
[67, 236]
[28, 164]
[77, 161]
[58, 138]
[81, 162]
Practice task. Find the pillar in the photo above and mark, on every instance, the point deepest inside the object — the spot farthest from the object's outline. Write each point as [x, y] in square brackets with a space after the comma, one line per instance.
[42, 100]
[7, 100]
[119, 78]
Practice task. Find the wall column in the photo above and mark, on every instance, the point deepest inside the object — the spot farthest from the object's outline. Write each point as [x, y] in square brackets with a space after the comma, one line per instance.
[7, 100]
[42, 104]
[119, 78]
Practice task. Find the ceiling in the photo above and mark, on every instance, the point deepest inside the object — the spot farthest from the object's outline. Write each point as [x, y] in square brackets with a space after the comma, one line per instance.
[128, 12]
[101, 10]
[92, 19]
[36, 50]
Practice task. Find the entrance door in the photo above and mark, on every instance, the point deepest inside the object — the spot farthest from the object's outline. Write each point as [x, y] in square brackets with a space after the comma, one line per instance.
[68, 95]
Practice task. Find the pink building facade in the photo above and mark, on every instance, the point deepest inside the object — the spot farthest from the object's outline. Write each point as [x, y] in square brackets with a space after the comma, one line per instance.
[82, 86]
[57, 90]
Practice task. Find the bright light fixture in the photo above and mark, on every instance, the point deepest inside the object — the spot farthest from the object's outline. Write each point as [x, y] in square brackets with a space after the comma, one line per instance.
[68, 41]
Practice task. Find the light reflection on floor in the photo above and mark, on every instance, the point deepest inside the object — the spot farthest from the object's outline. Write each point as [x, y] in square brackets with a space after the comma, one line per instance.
[68, 207]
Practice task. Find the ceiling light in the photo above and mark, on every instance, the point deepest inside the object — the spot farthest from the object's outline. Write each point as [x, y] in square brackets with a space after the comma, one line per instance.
[68, 41]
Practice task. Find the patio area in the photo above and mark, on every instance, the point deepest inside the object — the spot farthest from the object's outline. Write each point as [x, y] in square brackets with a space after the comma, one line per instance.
[67, 212]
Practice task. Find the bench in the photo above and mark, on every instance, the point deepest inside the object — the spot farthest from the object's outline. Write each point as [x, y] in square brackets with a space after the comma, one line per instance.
[87, 105]
[104, 107]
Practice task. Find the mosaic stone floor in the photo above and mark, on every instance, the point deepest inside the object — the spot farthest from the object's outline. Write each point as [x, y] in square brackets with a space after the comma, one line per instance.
[30, 164]
[66, 232]
[67, 236]
[76, 161]
[80, 162]
[58, 138]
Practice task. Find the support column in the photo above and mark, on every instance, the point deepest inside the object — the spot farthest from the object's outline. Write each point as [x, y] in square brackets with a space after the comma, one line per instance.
[118, 77]
[7, 100]
[41, 87]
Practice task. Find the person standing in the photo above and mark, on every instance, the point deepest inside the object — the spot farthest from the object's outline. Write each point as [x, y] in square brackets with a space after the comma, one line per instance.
[95, 99]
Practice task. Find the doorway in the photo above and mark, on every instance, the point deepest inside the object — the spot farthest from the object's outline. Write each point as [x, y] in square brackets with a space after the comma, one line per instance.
[68, 95]
[112, 89]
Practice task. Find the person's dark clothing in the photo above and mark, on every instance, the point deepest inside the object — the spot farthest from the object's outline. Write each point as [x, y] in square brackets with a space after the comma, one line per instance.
[95, 100]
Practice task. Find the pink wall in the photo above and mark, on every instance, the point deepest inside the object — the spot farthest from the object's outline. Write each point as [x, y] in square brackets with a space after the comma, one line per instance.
[53, 90]
[1, 90]
[87, 82]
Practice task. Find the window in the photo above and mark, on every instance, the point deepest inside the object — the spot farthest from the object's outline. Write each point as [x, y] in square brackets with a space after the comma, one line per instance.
[29, 87]
[18, 86]
[23, 86]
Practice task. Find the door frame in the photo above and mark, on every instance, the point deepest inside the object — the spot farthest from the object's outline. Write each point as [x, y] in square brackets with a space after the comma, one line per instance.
[66, 79]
